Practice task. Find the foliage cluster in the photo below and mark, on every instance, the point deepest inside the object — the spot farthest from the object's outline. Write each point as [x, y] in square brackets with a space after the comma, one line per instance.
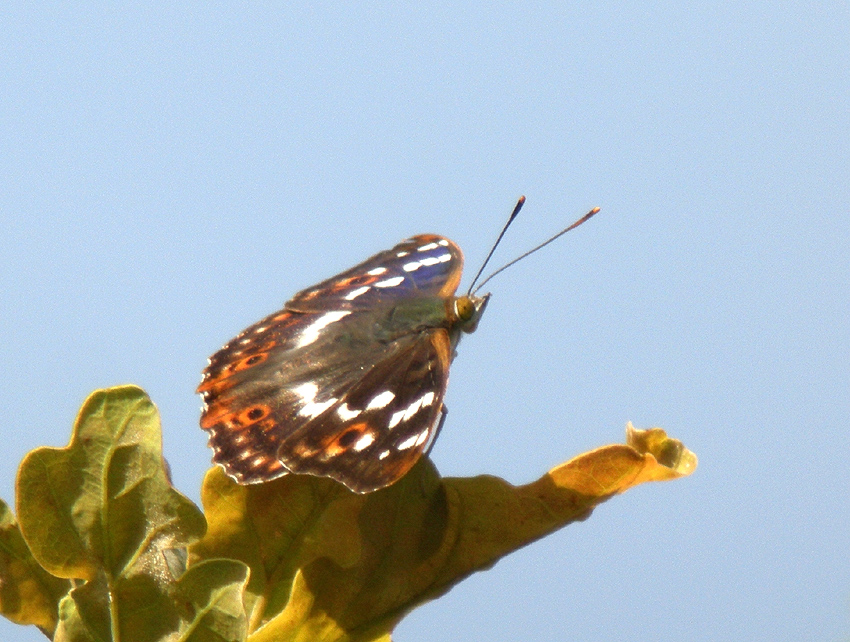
[105, 549]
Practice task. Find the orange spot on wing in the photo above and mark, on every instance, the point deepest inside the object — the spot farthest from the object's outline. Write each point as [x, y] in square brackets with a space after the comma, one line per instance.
[343, 441]
[253, 414]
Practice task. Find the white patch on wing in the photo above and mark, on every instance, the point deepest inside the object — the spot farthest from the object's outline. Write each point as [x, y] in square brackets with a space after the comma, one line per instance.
[422, 437]
[423, 401]
[427, 261]
[443, 242]
[345, 413]
[356, 293]
[395, 419]
[314, 409]
[311, 408]
[311, 332]
[384, 454]
[412, 409]
[402, 253]
[381, 400]
[407, 413]
[390, 282]
[408, 443]
[426, 247]
[410, 267]
[364, 442]
[376, 271]
[307, 391]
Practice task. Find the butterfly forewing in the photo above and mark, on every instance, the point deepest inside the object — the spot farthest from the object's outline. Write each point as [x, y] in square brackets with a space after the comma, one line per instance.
[250, 409]
[425, 265]
[347, 381]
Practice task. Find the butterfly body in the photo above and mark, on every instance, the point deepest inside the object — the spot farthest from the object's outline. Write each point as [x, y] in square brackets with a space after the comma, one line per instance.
[346, 381]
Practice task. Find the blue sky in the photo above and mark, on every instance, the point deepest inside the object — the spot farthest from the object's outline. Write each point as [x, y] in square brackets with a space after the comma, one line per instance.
[171, 174]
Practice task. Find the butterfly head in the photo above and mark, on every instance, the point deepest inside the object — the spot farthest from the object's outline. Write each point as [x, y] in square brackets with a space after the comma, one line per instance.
[467, 311]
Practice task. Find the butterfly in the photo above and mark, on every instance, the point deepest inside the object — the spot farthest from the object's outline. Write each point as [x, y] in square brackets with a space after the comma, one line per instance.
[347, 381]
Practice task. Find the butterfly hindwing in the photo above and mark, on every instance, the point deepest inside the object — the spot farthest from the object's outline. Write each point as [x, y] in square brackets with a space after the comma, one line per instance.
[377, 430]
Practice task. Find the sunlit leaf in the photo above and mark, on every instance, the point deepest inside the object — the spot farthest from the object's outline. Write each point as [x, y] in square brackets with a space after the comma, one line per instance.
[28, 593]
[210, 593]
[103, 510]
[329, 564]
[71, 626]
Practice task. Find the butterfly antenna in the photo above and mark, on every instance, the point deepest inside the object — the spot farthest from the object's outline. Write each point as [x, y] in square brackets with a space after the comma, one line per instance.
[520, 202]
[534, 249]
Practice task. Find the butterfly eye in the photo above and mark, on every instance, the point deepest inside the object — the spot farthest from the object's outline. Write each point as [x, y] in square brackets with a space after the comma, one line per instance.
[464, 308]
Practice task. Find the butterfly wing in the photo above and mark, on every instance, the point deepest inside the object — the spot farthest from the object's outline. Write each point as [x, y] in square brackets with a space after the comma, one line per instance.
[339, 383]
[424, 265]
[377, 430]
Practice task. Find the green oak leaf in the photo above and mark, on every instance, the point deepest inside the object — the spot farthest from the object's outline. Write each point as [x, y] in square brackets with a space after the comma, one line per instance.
[102, 512]
[28, 593]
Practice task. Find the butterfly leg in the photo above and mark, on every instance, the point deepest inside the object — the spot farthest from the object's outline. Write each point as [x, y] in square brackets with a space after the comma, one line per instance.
[443, 412]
